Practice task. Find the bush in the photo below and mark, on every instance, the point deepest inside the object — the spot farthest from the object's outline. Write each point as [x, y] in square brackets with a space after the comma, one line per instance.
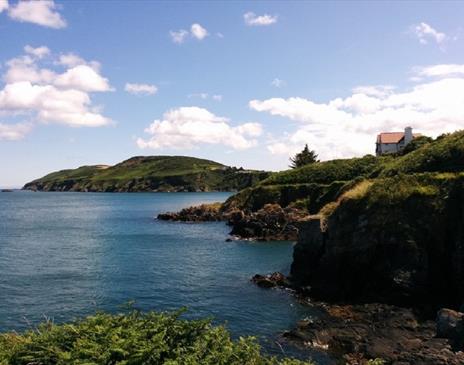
[132, 339]
[445, 154]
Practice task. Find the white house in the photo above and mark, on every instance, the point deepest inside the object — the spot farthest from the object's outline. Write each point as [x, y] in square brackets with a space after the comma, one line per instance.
[393, 142]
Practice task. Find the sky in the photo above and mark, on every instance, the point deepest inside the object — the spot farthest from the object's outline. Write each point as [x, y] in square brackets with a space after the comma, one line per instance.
[244, 83]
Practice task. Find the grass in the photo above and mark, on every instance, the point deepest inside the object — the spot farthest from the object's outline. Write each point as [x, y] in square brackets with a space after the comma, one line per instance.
[164, 173]
[329, 171]
[445, 154]
[133, 338]
[318, 187]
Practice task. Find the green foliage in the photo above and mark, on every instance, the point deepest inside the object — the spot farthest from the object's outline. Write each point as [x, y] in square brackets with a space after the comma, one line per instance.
[311, 196]
[160, 173]
[305, 157]
[376, 362]
[132, 339]
[329, 171]
[445, 154]
[416, 143]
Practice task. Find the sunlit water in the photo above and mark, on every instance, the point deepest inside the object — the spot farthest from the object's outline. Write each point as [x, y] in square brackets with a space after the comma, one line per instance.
[66, 255]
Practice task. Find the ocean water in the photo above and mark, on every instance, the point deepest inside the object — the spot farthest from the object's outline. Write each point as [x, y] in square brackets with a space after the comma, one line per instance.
[67, 255]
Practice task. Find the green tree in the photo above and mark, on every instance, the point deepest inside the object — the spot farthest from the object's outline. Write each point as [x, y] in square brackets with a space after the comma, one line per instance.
[303, 158]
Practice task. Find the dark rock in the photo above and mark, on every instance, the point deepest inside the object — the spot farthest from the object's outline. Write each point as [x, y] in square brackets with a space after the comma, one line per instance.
[407, 251]
[270, 223]
[275, 279]
[450, 325]
[201, 213]
[357, 333]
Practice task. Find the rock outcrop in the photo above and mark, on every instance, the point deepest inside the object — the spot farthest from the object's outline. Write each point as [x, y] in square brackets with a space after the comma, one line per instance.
[273, 280]
[357, 333]
[401, 242]
[450, 325]
[271, 223]
[201, 213]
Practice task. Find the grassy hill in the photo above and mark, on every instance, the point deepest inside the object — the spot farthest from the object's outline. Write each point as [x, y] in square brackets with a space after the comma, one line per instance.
[153, 173]
[313, 186]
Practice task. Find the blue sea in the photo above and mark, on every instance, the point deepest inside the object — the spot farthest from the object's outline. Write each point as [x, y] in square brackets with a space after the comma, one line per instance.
[67, 255]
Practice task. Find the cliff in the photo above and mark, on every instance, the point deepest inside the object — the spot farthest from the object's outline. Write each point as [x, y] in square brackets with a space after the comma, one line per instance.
[397, 240]
[152, 173]
[396, 236]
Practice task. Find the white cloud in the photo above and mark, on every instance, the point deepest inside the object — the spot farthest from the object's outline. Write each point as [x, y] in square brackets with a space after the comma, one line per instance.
[205, 96]
[41, 12]
[252, 19]
[83, 78]
[38, 52]
[278, 83]
[440, 70]
[374, 90]
[47, 96]
[140, 89]
[425, 33]
[14, 132]
[179, 36]
[345, 127]
[188, 127]
[198, 31]
[71, 60]
[3, 5]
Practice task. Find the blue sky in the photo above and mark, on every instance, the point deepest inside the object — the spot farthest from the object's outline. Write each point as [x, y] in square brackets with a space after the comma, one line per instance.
[242, 83]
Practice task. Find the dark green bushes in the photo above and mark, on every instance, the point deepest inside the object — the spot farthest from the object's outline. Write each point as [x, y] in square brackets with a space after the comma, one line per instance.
[329, 171]
[132, 339]
[445, 154]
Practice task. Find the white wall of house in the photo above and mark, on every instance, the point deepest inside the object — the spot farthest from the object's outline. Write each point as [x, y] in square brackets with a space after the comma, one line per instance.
[388, 148]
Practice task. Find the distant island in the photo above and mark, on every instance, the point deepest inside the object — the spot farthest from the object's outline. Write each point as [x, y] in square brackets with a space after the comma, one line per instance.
[150, 173]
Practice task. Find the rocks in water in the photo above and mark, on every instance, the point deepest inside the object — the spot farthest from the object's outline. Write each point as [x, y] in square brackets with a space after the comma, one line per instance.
[450, 325]
[202, 213]
[275, 279]
[272, 222]
[361, 332]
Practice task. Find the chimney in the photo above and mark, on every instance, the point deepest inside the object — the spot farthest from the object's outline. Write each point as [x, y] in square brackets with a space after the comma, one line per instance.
[407, 135]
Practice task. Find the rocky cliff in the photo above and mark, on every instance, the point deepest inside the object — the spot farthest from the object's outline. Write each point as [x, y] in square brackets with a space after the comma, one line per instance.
[396, 240]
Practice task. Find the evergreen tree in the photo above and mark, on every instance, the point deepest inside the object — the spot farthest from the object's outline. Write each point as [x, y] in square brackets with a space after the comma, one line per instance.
[305, 157]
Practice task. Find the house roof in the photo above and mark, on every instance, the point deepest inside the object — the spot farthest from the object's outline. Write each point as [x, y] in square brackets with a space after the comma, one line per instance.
[393, 137]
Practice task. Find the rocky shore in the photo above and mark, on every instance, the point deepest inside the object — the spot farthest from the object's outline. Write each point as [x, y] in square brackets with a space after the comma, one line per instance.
[272, 222]
[357, 333]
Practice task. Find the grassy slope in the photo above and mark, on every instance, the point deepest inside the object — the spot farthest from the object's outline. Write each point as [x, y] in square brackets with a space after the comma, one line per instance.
[150, 173]
[314, 186]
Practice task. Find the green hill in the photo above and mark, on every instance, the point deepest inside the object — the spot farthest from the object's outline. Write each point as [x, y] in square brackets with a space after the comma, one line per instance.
[153, 173]
[312, 186]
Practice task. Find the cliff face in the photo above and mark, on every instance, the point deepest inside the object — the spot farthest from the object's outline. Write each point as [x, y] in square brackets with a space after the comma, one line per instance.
[400, 240]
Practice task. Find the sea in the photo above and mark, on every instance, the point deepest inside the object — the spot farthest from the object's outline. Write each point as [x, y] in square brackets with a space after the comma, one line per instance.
[66, 255]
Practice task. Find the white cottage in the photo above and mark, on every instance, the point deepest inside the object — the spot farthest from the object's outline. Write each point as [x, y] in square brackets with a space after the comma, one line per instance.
[393, 142]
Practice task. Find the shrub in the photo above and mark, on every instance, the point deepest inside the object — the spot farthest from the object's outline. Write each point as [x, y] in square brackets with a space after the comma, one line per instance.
[132, 339]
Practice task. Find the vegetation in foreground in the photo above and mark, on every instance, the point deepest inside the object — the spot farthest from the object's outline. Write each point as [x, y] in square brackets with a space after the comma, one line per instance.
[132, 339]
